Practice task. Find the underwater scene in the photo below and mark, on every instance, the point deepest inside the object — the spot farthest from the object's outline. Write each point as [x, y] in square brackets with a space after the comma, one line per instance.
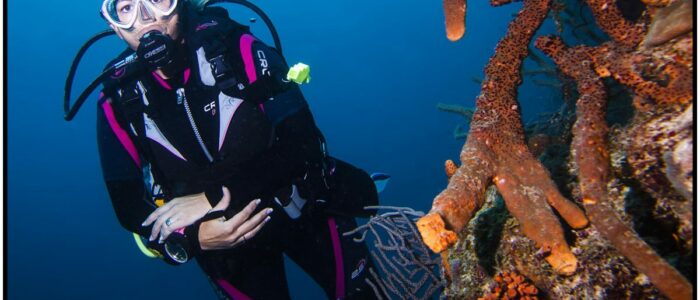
[533, 149]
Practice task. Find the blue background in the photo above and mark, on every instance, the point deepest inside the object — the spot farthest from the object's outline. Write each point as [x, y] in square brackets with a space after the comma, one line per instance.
[379, 68]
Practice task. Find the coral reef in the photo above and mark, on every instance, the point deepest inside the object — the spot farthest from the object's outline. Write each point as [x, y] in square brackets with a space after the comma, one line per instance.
[496, 244]
[571, 21]
[510, 285]
[658, 77]
[592, 159]
[496, 152]
[664, 167]
[407, 269]
[450, 168]
[609, 18]
[651, 178]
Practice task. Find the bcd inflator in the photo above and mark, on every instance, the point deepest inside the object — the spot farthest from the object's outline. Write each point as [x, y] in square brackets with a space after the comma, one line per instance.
[299, 73]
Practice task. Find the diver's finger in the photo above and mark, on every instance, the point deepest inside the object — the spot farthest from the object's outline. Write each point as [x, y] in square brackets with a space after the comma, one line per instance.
[225, 200]
[244, 214]
[155, 230]
[152, 217]
[157, 213]
[255, 220]
[174, 223]
[170, 225]
[159, 224]
[252, 233]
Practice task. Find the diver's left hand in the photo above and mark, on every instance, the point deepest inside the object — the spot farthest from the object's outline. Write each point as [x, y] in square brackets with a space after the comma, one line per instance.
[177, 213]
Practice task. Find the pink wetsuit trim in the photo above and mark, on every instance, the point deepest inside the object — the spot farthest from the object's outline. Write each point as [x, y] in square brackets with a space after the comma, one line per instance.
[119, 132]
[165, 84]
[246, 45]
[232, 291]
[187, 75]
[162, 81]
[339, 269]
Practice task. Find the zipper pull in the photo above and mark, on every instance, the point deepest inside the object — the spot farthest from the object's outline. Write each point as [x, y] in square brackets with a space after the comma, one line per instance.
[180, 95]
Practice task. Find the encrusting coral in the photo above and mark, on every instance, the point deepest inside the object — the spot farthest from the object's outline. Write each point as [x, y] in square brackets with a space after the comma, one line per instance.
[660, 78]
[659, 151]
[657, 148]
[592, 159]
[450, 168]
[511, 285]
[608, 15]
[496, 153]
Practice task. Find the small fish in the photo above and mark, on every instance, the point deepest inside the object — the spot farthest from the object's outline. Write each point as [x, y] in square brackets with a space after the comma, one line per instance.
[252, 20]
[380, 181]
[538, 143]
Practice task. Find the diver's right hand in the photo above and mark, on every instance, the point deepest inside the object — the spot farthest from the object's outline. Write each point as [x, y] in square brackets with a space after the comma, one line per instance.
[222, 234]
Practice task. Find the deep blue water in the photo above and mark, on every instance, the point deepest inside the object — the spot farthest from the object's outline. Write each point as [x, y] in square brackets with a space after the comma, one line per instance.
[379, 68]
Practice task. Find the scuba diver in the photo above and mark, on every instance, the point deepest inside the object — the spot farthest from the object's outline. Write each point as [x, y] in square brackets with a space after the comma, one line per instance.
[209, 151]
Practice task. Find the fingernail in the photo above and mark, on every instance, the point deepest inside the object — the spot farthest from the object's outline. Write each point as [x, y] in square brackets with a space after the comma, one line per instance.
[269, 211]
[150, 238]
[257, 201]
[267, 219]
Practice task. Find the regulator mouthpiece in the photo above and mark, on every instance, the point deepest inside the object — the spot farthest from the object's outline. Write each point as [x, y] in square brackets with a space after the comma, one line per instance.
[156, 49]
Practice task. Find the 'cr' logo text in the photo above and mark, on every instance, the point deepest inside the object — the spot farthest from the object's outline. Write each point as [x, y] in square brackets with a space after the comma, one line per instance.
[210, 106]
[263, 63]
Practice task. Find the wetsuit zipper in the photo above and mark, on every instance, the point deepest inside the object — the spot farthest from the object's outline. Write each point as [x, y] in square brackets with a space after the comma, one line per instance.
[181, 98]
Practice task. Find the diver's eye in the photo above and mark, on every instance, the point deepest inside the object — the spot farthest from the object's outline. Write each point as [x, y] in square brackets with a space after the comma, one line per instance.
[124, 8]
[156, 1]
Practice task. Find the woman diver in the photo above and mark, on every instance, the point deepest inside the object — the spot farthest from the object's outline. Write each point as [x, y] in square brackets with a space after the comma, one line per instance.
[210, 152]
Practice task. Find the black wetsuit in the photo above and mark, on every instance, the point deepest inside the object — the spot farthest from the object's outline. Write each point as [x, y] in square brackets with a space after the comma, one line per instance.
[256, 148]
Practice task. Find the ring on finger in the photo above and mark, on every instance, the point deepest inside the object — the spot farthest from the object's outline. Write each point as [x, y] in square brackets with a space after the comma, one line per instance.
[168, 221]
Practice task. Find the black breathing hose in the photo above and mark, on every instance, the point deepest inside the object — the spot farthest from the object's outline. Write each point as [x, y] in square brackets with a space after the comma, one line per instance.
[69, 112]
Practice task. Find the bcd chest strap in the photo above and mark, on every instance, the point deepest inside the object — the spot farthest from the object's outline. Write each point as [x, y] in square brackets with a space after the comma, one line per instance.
[130, 108]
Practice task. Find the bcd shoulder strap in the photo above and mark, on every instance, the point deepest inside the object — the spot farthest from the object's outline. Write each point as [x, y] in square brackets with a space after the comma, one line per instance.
[228, 49]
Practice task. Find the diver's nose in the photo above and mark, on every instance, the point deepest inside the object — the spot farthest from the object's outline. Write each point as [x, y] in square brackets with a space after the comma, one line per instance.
[145, 15]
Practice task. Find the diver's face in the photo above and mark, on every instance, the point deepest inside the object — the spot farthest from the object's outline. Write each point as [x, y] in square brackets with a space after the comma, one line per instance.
[149, 21]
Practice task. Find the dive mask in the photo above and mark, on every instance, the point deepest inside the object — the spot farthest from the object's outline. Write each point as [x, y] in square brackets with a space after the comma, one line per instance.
[123, 13]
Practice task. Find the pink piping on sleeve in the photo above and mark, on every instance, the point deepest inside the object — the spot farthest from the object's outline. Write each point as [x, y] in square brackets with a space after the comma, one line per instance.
[339, 269]
[246, 44]
[120, 133]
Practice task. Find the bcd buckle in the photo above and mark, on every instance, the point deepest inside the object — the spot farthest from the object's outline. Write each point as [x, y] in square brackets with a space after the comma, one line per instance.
[223, 73]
